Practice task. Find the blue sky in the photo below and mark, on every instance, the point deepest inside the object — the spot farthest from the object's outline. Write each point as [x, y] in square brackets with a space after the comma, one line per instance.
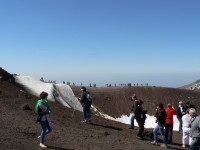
[102, 41]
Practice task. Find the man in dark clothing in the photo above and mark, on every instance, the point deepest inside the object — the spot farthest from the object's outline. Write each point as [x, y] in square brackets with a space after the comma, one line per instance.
[134, 100]
[86, 104]
[140, 116]
[180, 112]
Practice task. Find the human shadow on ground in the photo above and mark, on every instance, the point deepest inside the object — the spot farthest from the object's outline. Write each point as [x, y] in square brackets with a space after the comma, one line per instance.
[57, 148]
[105, 126]
[175, 146]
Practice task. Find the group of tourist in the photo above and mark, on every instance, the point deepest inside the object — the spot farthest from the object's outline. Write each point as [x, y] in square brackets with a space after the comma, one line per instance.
[186, 113]
[189, 123]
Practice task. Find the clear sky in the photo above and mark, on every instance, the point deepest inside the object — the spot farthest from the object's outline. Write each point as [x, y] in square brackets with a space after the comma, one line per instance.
[102, 41]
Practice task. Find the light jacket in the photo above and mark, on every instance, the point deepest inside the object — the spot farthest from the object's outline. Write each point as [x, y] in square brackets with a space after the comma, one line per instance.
[186, 123]
[195, 127]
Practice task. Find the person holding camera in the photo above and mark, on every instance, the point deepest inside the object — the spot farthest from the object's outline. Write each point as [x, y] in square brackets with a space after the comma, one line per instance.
[170, 112]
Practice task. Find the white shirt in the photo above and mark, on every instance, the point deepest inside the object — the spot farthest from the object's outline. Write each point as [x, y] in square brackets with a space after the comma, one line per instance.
[186, 121]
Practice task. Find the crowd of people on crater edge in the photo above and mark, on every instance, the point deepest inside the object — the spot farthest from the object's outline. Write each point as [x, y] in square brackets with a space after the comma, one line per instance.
[189, 121]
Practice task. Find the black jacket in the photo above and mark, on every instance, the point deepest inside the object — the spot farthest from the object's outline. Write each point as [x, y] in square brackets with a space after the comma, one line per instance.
[140, 114]
[179, 112]
[135, 104]
[160, 116]
[84, 100]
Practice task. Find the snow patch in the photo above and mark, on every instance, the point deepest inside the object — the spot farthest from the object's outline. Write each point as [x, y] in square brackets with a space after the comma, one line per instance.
[64, 95]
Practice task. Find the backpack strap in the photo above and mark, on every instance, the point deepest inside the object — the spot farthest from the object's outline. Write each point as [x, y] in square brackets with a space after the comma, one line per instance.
[37, 106]
[44, 102]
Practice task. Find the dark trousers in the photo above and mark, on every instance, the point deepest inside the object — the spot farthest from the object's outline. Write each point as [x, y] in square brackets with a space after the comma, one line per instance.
[141, 127]
[86, 111]
[169, 133]
[180, 124]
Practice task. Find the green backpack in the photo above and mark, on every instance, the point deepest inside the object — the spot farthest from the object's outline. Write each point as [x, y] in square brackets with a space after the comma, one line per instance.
[44, 102]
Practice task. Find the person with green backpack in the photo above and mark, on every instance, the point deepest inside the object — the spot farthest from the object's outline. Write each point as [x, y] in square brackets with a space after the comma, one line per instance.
[42, 108]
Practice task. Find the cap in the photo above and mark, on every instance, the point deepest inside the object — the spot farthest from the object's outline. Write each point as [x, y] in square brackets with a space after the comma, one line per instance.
[169, 105]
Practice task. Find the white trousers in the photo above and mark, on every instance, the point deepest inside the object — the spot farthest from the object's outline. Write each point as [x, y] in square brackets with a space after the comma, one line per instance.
[186, 139]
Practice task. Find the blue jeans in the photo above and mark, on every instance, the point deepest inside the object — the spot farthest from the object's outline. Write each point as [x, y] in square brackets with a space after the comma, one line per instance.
[155, 130]
[132, 121]
[195, 145]
[45, 130]
[86, 111]
[89, 107]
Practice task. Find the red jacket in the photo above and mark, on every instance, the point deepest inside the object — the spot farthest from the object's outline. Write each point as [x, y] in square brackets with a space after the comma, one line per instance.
[169, 115]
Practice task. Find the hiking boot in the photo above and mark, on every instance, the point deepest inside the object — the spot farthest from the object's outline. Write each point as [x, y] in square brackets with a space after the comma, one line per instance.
[42, 145]
[163, 145]
[154, 143]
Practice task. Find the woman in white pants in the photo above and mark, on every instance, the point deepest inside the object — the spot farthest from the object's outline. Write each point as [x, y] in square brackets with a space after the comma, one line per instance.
[186, 129]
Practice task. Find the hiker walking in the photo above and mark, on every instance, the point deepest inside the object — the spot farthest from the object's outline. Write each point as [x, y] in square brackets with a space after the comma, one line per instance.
[160, 119]
[133, 99]
[170, 112]
[86, 104]
[43, 109]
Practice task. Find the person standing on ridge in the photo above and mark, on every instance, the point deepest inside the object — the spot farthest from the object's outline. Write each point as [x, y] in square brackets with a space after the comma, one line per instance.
[170, 112]
[140, 116]
[180, 112]
[160, 119]
[86, 104]
[194, 130]
[186, 129]
[42, 109]
[133, 99]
